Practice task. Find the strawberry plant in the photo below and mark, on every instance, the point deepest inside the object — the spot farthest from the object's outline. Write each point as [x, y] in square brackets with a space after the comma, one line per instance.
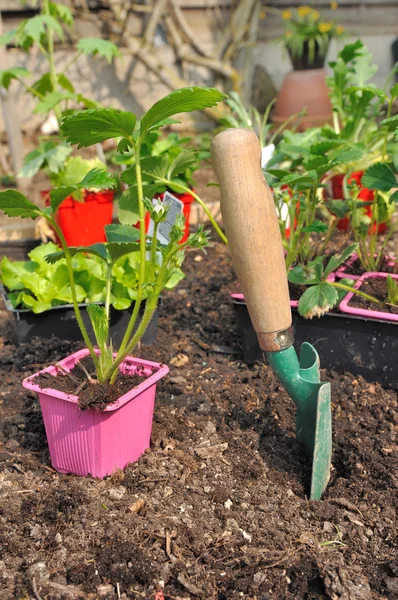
[158, 262]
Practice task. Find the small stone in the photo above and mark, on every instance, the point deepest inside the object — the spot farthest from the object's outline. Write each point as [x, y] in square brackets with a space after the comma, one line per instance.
[228, 504]
[168, 491]
[137, 506]
[210, 428]
[259, 577]
[392, 584]
[328, 527]
[289, 493]
[368, 533]
[198, 258]
[180, 360]
[38, 572]
[117, 493]
[211, 451]
[58, 538]
[105, 592]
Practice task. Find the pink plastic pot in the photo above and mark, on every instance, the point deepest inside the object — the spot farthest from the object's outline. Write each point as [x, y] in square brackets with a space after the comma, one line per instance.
[95, 442]
[342, 271]
[363, 312]
[293, 303]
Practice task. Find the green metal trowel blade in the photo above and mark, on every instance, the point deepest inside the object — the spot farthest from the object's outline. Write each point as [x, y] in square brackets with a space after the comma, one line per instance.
[312, 399]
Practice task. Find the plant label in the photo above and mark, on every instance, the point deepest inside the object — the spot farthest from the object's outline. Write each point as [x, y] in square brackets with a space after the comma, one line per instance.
[176, 208]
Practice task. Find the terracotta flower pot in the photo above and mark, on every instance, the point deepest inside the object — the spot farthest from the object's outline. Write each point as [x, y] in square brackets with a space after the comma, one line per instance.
[300, 89]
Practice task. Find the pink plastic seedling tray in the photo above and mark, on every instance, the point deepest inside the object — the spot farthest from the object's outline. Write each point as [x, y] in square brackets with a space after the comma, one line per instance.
[98, 442]
[363, 312]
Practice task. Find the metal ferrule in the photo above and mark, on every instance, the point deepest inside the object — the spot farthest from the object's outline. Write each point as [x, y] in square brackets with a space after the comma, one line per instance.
[276, 341]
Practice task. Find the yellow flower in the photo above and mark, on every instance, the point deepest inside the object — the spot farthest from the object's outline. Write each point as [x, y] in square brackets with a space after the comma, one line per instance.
[304, 11]
[339, 29]
[315, 14]
[333, 5]
[324, 27]
[286, 14]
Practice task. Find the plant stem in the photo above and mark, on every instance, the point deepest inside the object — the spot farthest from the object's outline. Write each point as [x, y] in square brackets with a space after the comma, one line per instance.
[141, 276]
[51, 59]
[148, 312]
[154, 241]
[108, 288]
[342, 286]
[79, 319]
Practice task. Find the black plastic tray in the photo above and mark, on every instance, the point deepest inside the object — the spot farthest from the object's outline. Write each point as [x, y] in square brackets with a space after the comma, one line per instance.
[61, 322]
[17, 249]
[344, 343]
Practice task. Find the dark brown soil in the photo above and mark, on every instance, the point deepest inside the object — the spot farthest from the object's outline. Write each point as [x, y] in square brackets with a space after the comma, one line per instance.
[378, 289]
[357, 269]
[218, 508]
[91, 393]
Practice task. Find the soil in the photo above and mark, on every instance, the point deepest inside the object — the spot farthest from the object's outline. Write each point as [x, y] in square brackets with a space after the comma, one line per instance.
[218, 508]
[91, 393]
[357, 269]
[378, 289]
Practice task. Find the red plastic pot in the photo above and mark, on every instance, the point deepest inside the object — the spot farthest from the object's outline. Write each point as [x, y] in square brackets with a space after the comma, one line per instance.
[82, 223]
[365, 194]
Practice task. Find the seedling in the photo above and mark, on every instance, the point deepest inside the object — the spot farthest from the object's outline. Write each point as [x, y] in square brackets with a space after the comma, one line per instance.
[323, 295]
[392, 291]
[158, 262]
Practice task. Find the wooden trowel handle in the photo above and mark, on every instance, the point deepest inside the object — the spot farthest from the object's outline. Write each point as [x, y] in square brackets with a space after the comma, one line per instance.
[252, 228]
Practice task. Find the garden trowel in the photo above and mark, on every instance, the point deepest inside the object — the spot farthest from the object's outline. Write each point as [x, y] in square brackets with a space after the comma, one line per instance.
[252, 228]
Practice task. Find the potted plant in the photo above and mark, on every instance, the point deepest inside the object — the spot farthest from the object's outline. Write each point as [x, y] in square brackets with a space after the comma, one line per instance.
[381, 179]
[306, 38]
[97, 418]
[55, 96]
[357, 106]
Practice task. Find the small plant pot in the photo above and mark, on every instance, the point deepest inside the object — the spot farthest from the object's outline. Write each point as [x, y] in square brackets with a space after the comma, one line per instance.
[60, 322]
[82, 223]
[344, 270]
[365, 194]
[300, 89]
[366, 312]
[94, 442]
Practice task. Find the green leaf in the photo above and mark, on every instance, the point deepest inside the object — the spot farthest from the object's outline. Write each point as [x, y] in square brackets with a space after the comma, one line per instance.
[58, 195]
[392, 123]
[379, 177]
[184, 160]
[317, 300]
[65, 83]
[100, 324]
[97, 46]
[124, 146]
[394, 91]
[51, 100]
[347, 156]
[119, 249]
[97, 125]
[393, 197]
[180, 101]
[15, 204]
[36, 27]
[338, 207]
[8, 75]
[49, 154]
[61, 12]
[316, 226]
[339, 259]
[128, 207]
[99, 179]
[98, 250]
[121, 233]
[7, 37]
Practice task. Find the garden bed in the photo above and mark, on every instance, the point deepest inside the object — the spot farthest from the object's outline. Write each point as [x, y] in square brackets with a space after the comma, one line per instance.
[217, 509]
